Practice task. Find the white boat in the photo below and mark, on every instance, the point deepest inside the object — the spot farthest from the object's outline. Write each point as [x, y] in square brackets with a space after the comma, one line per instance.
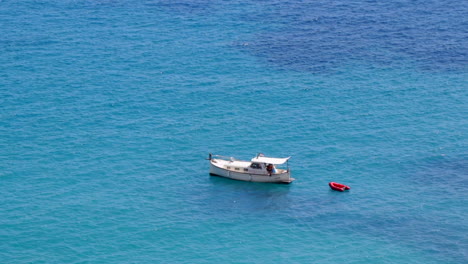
[259, 169]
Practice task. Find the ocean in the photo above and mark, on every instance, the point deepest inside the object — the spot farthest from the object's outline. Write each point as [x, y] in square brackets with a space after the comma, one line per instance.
[109, 109]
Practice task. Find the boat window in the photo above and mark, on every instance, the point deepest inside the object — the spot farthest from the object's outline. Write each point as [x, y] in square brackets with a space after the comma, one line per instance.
[255, 166]
[236, 168]
[246, 169]
[228, 167]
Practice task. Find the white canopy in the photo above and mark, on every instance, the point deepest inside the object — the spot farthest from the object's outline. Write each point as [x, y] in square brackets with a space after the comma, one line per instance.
[275, 161]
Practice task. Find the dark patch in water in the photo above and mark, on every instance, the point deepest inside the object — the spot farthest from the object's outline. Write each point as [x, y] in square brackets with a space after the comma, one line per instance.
[442, 175]
[420, 231]
[321, 36]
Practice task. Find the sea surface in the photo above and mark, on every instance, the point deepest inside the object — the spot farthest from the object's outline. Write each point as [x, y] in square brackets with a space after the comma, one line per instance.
[108, 110]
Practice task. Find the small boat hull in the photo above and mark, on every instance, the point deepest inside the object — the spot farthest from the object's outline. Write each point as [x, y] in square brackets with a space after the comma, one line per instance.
[338, 186]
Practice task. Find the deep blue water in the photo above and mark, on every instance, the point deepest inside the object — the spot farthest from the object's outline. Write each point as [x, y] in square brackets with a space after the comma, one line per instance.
[108, 110]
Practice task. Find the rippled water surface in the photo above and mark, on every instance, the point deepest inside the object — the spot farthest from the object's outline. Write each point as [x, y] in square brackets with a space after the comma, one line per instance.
[108, 110]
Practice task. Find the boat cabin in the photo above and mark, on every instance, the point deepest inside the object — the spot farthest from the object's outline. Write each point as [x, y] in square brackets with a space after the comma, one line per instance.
[258, 165]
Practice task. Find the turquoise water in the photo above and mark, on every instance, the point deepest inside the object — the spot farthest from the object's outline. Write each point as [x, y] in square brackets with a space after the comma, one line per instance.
[108, 110]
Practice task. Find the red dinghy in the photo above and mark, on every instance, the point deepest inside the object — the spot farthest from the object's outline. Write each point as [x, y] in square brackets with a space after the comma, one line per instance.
[338, 186]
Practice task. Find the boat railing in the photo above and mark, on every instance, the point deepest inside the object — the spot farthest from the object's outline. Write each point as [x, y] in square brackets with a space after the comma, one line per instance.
[222, 157]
